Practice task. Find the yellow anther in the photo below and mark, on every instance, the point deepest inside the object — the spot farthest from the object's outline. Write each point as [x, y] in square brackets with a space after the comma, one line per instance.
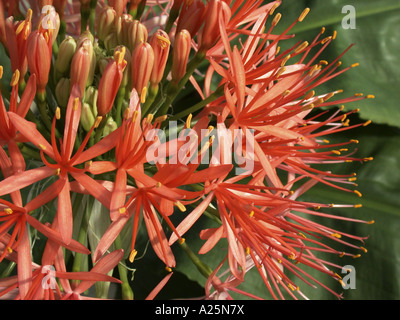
[278, 49]
[328, 96]
[286, 92]
[309, 95]
[276, 19]
[317, 208]
[119, 55]
[346, 123]
[251, 214]
[168, 269]
[341, 255]
[337, 152]
[158, 184]
[339, 63]
[354, 141]
[325, 141]
[292, 256]
[364, 249]
[180, 206]
[280, 72]
[247, 250]
[358, 94]
[57, 172]
[355, 65]
[143, 95]
[9, 250]
[1, 72]
[342, 283]
[368, 159]
[272, 10]
[132, 255]
[334, 35]
[356, 256]
[279, 260]
[285, 60]
[302, 234]
[336, 235]
[370, 96]
[75, 104]
[291, 287]
[182, 240]
[307, 107]
[303, 14]
[8, 210]
[15, 78]
[20, 27]
[189, 120]
[97, 121]
[359, 205]
[325, 40]
[149, 118]
[301, 47]
[58, 113]
[28, 17]
[352, 179]
[134, 116]
[323, 30]
[161, 119]
[371, 222]
[122, 210]
[324, 62]
[162, 41]
[42, 147]
[88, 164]
[367, 123]
[358, 193]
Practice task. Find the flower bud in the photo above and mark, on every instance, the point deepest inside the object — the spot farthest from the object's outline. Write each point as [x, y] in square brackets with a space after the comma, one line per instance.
[111, 41]
[110, 82]
[118, 5]
[211, 32]
[62, 92]
[123, 26]
[86, 39]
[106, 23]
[141, 68]
[137, 34]
[91, 96]
[80, 67]
[161, 46]
[17, 35]
[87, 117]
[39, 58]
[110, 126]
[128, 57]
[191, 17]
[65, 54]
[180, 55]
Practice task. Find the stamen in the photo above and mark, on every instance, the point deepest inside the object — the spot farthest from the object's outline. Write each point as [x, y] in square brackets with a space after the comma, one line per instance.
[358, 193]
[15, 78]
[364, 249]
[358, 205]
[58, 113]
[75, 104]
[97, 121]
[1, 72]
[180, 206]
[189, 120]
[168, 269]
[149, 118]
[301, 47]
[355, 65]
[42, 147]
[334, 35]
[8, 211]
[336, 235]
[122, 210]
[158, 184]
[367, 123]
[143, 95]
[303, 14]
[276, 19]
[132, 255]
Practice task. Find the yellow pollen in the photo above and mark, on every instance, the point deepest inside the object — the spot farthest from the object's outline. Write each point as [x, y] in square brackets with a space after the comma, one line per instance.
[341, 283]
[302, 234]
[358, 205]
[279, 260]
[276, 19]
[367, 123]
[354, 141]
[8, 211]
[344, 149]
[317, 208]
[20, 27]
[303, 14]
[323, 30]
[168, 269]
[336, 235]
[278, 49]
[292, 256]
[41, 146]
[286, 92]
[368, 159]
[371, 222]
[122, 210]
[370, 96]
[272, 10]
[189, 120]
[325, 141]
[247, 250]
[58, 113]
[285, 60]
[337, 152]
[328, 96]
[309, 95]
[346, 123]
[9, 250]
[356, 256]
[158, 184]
[182, 240]
[280, 72]
[251, 214]
[180, 206]
[358, 94]
[352, 179]
[334, 35]
[291, 287]
[301, 47]
[162, 41]
[143, 95]
[15, 78]
[134, 116]
[337, 276]
[324, 62]
[355, 65]
[75, 104]
[358, 193]
[132, 255]
[339, 63]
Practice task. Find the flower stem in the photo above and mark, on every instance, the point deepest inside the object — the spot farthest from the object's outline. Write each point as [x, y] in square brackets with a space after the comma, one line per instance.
[119, 102]
[44, 112]
[127, 293]
[204, 269]
[149, 100]
[92, 17]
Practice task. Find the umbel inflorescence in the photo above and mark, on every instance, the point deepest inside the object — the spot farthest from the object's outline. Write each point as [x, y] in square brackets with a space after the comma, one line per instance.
[97, 120]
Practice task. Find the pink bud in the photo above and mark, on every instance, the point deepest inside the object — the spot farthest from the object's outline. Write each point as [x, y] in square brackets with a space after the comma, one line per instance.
[161, 45]
[39, 57]
[191, 17]
[141, 68]
[110, 82]
[119, 6]
[80, 67]
[106, 22]
[180, 55]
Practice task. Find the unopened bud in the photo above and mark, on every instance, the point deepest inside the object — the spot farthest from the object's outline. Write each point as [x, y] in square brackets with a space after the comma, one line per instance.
[87, 117]
[62, 92]
[80, 68]
[63, 61]
[141, 67]
[119, 6]
[161, 46]
[191, 17]
[180, 55]
[137, 34]
[91, 96]
[106, 22]
[110, 126]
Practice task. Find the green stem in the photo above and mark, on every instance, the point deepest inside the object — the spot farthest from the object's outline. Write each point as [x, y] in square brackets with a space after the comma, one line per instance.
[30, 153]
[7, 271]
[85, 14]
[43, 109]
[150, 99]
[92, 17]
[99, 129]
[119, 102]
[217, 93]
[127, 293]
[204, 269]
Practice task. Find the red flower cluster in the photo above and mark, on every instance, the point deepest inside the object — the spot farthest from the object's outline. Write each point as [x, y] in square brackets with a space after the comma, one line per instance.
[91, 119]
